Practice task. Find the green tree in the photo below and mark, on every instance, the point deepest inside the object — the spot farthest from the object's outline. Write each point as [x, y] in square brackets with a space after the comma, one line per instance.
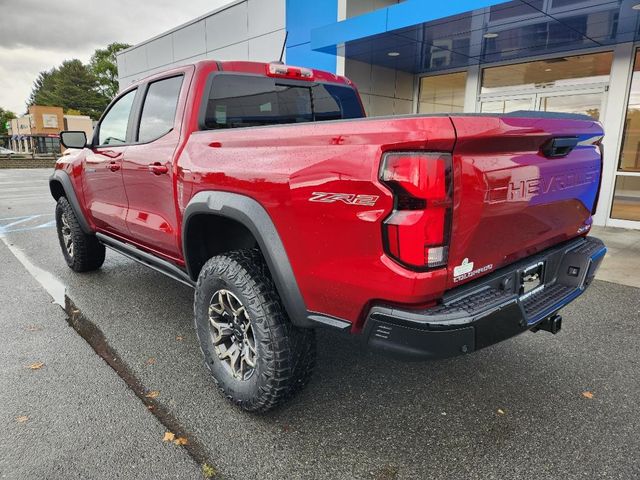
[43, 90]
[104, 66]
[5, 116]
[72, 86]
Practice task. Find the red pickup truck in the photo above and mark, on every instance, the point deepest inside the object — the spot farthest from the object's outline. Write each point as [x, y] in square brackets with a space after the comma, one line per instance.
[264, 188]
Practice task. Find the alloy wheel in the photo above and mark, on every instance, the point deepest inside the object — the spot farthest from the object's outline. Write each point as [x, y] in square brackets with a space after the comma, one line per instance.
[232, 334]
[67, 238]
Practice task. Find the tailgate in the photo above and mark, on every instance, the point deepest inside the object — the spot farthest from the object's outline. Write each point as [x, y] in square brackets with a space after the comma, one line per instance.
[516, 192]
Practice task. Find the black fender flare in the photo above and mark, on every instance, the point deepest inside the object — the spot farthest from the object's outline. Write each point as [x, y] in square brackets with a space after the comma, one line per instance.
[62, 177]
[255, 218]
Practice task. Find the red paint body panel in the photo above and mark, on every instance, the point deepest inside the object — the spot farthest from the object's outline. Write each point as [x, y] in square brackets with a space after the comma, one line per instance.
[336, 249]
[104, 194]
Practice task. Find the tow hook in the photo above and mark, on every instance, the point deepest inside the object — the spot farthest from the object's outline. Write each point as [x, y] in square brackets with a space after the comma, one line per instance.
[551, 324]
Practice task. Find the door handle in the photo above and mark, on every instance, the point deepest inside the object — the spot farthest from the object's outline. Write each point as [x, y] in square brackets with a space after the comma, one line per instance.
[113, 166]
[158, 169]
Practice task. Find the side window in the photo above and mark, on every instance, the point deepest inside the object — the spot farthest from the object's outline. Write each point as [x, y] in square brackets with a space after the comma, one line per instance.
[159, 110]
[113, 128]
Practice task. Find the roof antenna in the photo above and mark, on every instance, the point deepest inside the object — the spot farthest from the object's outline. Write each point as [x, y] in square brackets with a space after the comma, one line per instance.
[284, 44]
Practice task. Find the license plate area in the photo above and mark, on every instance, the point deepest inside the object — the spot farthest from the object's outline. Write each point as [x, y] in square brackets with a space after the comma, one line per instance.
[531, 280]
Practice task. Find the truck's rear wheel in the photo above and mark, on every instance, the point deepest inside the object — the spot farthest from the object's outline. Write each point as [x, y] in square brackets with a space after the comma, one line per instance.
[256, 356]
[81, 251]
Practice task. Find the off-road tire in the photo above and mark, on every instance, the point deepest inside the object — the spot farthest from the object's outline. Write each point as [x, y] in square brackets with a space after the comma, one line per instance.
[285, 354]
[87, 253]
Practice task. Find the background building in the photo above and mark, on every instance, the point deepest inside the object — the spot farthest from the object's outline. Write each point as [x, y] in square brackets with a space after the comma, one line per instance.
[38, 131]
[419, 56]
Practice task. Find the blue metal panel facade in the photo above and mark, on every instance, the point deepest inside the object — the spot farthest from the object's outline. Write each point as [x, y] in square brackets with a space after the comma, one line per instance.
[405, 14]
[302, 16]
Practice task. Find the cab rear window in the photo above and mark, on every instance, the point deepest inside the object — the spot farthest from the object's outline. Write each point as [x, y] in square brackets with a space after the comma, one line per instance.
[249, 101]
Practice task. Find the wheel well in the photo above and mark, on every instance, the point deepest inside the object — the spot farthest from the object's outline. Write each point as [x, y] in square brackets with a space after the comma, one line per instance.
[57, 190]
[208, 235]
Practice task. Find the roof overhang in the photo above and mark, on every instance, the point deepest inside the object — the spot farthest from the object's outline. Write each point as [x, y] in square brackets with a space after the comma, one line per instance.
[423, 36]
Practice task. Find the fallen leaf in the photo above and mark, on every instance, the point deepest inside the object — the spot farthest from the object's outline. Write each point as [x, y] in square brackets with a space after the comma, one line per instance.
[208, 471]
[153, 394]
[587, 395]
[168, 437]
[151, 361]
[181, 441]
[36, 366]
[179, 338]
[500, 411]
[22, 419]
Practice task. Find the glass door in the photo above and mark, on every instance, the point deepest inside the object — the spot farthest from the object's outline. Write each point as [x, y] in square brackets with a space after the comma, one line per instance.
[589, 102]
[625, 204]
[506, 104]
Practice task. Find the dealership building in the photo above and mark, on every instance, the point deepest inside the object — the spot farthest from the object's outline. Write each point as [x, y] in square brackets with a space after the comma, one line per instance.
[423, 56]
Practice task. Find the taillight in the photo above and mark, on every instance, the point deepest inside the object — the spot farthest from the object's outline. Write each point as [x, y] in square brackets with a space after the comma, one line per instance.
[416, 234]
[597, 198]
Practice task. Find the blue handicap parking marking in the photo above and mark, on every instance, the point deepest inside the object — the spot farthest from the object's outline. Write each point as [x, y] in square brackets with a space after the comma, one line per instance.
[26, 223]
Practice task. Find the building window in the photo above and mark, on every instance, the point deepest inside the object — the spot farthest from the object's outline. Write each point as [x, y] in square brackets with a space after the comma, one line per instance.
[442, 93]
[626, 198]
[46, 145]
[511, 10]
[553, 72]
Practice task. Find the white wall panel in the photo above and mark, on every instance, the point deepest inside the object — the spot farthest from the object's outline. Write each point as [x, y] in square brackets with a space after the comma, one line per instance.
[404, 85]
[227, 27]
[381, 106]
[239, 51]
[402, 106]
[360, 73]
[189, 41]
[383, 81]
[266, 48]
[137, 60]
[121, 60]
[265, 16]
[160, 51]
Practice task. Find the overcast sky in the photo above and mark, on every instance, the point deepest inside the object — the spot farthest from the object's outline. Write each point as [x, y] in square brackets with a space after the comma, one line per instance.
[38, 35]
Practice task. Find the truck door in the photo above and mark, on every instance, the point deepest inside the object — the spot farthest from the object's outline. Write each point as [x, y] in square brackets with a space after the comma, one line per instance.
[103, 186]
[148, 168]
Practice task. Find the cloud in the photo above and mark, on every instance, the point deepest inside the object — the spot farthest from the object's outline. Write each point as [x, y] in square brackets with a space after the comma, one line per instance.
[36, 35]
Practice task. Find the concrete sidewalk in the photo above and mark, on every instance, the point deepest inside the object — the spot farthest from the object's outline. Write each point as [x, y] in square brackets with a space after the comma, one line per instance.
[72, 417]
[622, 263]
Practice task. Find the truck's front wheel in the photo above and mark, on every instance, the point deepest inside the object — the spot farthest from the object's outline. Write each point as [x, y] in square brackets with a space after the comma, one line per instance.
[256, 356]
[81, 251]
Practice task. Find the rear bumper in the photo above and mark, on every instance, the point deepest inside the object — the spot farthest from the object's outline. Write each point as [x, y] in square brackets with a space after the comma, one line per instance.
[488, 310]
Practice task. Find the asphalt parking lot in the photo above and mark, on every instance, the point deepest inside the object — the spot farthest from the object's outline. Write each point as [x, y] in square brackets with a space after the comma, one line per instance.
[537, 406]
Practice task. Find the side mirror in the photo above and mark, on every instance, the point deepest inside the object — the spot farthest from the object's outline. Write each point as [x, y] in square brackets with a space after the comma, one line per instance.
[73, 139]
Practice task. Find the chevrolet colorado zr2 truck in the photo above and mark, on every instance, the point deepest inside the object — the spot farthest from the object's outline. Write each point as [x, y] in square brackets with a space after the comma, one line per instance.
[264, 188]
